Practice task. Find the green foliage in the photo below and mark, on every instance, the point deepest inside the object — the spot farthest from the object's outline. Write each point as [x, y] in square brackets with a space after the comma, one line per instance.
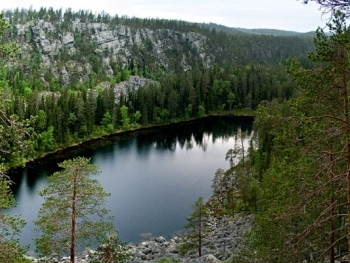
[107, 122]
[8, 49]
[125, 117]
[304, 160]
[197, 228]
[137, 116]
[73, 211]
[201, 111]
[41, 121]
[111, 251]
[76, 116]
[15, 147]
[167, 260]
[16, 136]
[46, 141]
[187, 247]
[188, 111]
[16, 140]
[231, 98]
[239, 179]
[10, 226]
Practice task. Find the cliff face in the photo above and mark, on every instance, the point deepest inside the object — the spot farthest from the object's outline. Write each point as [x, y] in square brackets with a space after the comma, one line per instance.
[75, 50]
[69, 47]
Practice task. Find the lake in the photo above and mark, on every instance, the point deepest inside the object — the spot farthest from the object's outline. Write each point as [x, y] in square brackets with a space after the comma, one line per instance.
[154, 176]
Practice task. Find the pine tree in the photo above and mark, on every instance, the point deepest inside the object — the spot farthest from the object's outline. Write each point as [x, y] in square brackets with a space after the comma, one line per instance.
[197, 228]
[111, 251]
[304, 194]
[73, 211]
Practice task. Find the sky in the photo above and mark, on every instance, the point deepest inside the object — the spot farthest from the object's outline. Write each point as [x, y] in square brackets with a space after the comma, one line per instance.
[277, 14]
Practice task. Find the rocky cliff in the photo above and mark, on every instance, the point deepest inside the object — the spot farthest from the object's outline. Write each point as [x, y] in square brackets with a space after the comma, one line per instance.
[74, 52]
[67, 47]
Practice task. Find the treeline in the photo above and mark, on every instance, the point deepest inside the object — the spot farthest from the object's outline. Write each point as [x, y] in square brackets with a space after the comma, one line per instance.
[224, 49]
[90, 106]
[66, 116]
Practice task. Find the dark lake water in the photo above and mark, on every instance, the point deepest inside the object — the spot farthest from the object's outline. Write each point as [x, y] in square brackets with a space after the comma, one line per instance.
[153, 177]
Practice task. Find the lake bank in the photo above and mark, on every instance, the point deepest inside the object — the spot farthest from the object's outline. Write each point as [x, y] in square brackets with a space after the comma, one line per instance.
[221, 243]
[60, 154]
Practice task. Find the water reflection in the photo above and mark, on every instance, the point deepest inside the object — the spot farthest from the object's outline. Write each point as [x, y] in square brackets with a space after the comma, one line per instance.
[153, 177]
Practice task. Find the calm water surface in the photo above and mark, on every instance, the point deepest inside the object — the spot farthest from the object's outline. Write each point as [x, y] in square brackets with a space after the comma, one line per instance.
[153, 178]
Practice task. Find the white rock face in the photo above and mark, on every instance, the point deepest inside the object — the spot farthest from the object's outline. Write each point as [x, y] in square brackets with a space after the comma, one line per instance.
[68, 39]
[54, 40]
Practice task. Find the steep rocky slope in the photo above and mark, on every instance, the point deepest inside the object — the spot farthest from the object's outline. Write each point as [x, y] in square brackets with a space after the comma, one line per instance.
[120, 44]
[72, 47]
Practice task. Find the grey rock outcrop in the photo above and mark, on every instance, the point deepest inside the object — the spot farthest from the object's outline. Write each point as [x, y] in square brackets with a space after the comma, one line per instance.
[52, 41]
[133, 84]
[222, 242]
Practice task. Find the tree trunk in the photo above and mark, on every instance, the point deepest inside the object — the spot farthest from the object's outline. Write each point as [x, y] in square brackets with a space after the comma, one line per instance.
[200, 232]
[332, 234]
[73, 220]
[331, 214]
[343, 58]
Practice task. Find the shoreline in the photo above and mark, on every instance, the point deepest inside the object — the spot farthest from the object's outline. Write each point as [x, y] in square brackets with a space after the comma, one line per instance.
[221, 244]
[60, 154]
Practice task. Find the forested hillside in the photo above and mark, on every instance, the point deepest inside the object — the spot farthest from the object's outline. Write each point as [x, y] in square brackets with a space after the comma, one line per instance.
[67, 46]
[295, 177]
[258, 31]
[67, 77]
[81, 75]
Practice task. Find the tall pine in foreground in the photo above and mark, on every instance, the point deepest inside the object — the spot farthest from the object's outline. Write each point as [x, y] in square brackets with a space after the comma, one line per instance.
[73, 213]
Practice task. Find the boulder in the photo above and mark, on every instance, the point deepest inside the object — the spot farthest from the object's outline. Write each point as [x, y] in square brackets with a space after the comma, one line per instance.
[160, 239]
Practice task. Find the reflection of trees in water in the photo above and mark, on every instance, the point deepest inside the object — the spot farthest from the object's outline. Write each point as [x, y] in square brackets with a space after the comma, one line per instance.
[188, 136]
[184, 140]
[224, 129]
[31, 175]
[198, 136]
[166, 141]
[123, 143]
[194, 134]
[16, 180]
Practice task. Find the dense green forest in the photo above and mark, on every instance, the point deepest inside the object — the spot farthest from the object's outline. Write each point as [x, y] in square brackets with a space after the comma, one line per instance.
[89, 105]
[258, 31]
[184, 46]
[295, 177]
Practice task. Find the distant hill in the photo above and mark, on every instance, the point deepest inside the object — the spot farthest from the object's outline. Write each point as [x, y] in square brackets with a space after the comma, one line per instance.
[258, 31]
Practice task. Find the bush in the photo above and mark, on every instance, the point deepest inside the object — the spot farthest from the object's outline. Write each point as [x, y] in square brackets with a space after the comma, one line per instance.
[112, 251]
